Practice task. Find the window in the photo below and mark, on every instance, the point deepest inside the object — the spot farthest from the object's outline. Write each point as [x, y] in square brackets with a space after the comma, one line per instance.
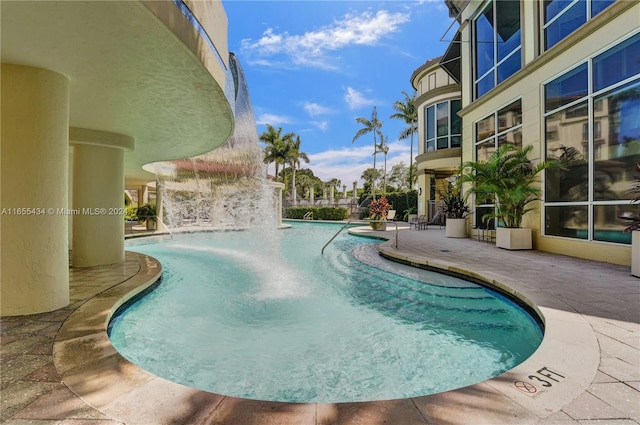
[443, 126]
[503, 126]
[496, 42]
[595, 111]
[562, 17]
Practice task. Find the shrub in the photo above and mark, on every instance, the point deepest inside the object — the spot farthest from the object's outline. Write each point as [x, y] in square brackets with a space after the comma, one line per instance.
[319, 213]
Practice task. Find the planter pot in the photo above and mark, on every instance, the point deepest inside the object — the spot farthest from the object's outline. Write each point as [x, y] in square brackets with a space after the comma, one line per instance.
[378, 225]
[513, 239]
[151, 224]
[456, 228]
[635, 253]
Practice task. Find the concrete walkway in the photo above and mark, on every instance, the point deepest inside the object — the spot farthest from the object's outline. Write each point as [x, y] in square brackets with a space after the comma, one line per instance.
[59, 367]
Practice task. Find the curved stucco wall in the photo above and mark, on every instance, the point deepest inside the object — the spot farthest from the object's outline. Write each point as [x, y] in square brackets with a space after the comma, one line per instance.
[35, 155]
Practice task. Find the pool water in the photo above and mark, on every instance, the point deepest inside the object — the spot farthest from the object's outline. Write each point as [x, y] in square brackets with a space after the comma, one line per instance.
[272, 319]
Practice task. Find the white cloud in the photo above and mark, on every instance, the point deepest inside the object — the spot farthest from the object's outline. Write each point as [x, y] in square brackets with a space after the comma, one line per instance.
[315, 109]
[356, 100]
[272, 119]
[321, 125]
[347, 164]
[311, 48]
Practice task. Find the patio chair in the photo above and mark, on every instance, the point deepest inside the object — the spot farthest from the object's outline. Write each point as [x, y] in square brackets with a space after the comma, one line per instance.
[391, 215]
[419, 223]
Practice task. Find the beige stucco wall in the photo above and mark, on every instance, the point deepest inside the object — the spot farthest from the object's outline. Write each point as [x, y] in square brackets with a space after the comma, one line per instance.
[34, 168]
[605, 30]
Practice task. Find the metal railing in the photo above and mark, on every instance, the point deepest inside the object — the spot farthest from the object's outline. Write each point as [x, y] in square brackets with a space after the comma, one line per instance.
[334, 236]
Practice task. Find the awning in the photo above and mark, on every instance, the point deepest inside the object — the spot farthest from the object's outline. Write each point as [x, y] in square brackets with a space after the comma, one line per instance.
[450, 62]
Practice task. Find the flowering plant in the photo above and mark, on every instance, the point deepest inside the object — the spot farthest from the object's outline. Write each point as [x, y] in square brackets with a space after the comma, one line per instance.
[379, 208]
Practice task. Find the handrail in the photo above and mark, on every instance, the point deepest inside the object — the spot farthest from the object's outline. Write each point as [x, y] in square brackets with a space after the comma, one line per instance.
[334, 236]
[165, 226]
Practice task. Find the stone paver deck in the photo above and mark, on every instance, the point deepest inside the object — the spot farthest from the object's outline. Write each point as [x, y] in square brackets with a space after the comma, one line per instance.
[59, 367]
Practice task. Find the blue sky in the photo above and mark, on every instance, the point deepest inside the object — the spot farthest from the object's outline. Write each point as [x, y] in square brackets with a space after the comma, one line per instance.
[313, 67]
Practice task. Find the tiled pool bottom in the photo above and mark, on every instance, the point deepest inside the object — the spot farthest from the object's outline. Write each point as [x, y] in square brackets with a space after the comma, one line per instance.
[602, 388]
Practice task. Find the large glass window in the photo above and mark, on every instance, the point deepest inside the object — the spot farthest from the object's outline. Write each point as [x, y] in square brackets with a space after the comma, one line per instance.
[562, 17]
[443, 126]
[592, 126]
[496, 42]
[503, 126]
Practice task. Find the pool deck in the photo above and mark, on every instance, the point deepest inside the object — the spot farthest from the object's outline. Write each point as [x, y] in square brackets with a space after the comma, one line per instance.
[59, 367]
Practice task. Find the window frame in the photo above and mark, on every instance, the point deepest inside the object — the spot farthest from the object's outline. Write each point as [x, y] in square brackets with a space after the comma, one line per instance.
[449, 134]
[593, 146]
[497, 62]
[545, 25]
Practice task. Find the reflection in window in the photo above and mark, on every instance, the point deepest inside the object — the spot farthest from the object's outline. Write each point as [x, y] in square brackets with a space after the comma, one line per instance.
[617, 64]
[597, 138]
[568, 221]
[562, 17]
[443, 127]
[567, 88]
[496, 43]
[613, 176]
[607, 226]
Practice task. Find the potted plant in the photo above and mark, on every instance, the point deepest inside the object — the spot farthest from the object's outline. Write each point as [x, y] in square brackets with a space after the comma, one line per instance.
[632, 220]
[378, 210]
[410, 213]
[455, 211]
[509, 180]
[147, 212]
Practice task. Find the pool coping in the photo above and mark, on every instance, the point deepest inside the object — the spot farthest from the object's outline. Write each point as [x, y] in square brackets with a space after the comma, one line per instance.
[91, 367]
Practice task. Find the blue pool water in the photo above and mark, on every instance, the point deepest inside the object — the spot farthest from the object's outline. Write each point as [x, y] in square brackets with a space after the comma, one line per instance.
[272, 319]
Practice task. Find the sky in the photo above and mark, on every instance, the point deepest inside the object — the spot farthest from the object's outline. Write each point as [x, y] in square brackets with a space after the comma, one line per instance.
[313, 67]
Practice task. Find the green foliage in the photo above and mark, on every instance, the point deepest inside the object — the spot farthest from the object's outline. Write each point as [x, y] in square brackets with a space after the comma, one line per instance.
[147, 211]
[403, 202]
[319, 213]
[454, 205]
[509, 180]
[130, 213]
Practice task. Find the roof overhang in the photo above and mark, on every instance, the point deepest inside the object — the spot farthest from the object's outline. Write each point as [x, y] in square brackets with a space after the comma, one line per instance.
[129, 73]
[450, 61]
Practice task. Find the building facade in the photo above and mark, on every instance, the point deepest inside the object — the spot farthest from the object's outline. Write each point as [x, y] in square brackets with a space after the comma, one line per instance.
[438, 101]
[563, 76]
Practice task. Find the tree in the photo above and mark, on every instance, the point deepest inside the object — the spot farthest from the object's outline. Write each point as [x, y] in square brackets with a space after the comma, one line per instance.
[509, 179]
[372, 125]
[293, 157]
[398, 176]
[277, 147]
[383, 147]
[407, 112]
[370, 175]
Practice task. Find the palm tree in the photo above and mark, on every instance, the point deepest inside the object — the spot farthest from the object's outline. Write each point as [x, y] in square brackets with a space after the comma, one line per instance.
[384, 148]
[407, 111]
[294, 155]
[277, 147]
[372, 125]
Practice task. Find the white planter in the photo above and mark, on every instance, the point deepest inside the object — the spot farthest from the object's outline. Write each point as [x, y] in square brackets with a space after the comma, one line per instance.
[456, 228]
[513, 239]
[635, 253]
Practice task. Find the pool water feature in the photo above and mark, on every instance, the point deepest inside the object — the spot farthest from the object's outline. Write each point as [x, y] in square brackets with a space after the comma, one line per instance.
[235, 316]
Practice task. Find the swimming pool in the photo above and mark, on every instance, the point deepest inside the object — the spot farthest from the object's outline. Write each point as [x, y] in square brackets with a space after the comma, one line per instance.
[269, 318]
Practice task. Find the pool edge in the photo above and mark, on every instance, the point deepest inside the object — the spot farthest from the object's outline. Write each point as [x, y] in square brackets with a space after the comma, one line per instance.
[108, 382]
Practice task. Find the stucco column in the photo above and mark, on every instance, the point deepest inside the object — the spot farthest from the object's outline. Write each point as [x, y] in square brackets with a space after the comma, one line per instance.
[34, 175]
[98, 196]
